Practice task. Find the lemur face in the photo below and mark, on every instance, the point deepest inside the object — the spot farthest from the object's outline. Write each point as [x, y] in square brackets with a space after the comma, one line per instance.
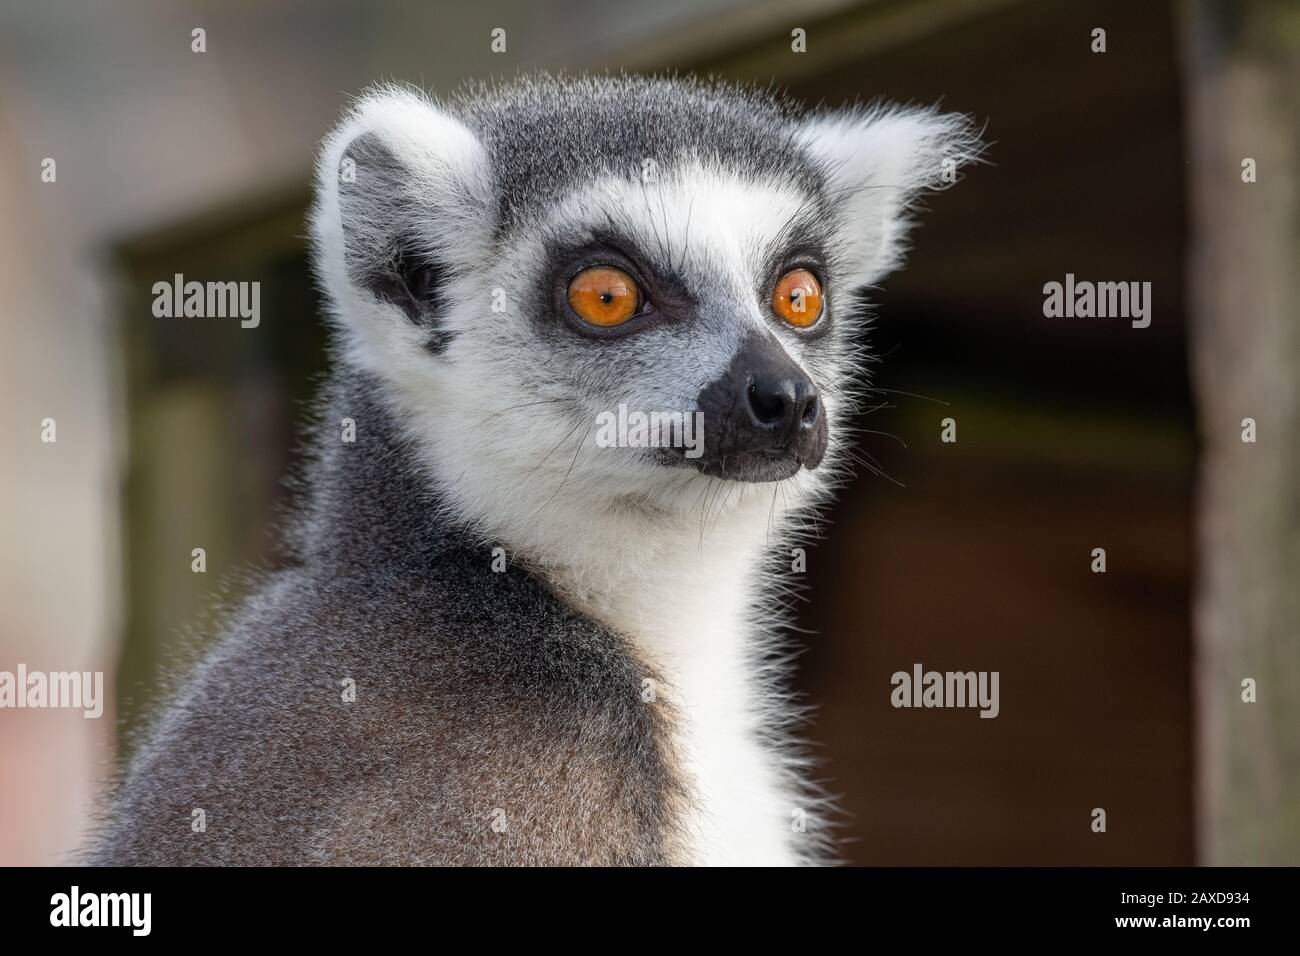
[693, 291]
[607, 288]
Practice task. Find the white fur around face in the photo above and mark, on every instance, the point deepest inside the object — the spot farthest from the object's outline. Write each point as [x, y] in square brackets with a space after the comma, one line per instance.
[497, 438]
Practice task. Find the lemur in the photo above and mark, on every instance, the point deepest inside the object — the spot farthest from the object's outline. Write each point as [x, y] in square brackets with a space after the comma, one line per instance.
[500, 641]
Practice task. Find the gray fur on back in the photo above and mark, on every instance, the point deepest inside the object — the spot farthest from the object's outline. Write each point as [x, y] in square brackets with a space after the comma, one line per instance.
[480, 699]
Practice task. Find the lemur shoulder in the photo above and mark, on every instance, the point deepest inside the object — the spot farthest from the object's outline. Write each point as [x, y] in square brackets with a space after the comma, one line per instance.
[502, 268]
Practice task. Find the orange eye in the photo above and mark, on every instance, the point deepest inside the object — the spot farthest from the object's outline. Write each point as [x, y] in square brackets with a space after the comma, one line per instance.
[604, 296]
[797, 298]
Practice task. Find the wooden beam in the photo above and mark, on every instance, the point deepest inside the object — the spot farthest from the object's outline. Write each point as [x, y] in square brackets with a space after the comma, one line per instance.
[1243, 95]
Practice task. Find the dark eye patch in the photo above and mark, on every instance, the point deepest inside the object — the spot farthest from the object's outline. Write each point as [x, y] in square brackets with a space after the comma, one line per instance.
[664, 294]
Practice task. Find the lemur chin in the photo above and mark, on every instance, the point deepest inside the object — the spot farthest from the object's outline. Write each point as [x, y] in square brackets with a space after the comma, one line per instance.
[500, 639]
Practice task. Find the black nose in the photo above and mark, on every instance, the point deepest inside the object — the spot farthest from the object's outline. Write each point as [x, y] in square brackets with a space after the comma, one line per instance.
[783, 403]
[763, 419]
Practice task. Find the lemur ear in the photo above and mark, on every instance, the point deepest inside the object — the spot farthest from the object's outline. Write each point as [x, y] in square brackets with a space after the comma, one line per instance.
[401, 196]
[877, 163]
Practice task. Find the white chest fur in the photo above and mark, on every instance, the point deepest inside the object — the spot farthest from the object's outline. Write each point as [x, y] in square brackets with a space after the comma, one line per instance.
[687, 612]
[740, 816]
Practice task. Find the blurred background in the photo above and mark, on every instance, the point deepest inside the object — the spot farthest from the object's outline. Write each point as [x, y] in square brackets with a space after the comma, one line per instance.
[1119, 690]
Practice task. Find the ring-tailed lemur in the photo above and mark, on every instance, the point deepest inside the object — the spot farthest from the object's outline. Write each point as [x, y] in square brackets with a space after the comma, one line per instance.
[504, 641]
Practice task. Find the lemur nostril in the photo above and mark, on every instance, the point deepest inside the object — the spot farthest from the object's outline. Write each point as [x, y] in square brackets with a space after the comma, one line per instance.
[767, 403]
[810, 412]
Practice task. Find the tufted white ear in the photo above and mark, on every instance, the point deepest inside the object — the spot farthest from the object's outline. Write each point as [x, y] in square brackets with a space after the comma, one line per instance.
[402, 205]
[878, 162]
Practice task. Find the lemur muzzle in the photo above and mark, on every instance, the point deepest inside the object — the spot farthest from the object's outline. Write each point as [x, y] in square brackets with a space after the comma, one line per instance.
[763, 419]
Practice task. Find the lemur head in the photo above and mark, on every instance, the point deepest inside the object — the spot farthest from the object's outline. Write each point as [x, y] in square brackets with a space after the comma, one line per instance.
[526, 267]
